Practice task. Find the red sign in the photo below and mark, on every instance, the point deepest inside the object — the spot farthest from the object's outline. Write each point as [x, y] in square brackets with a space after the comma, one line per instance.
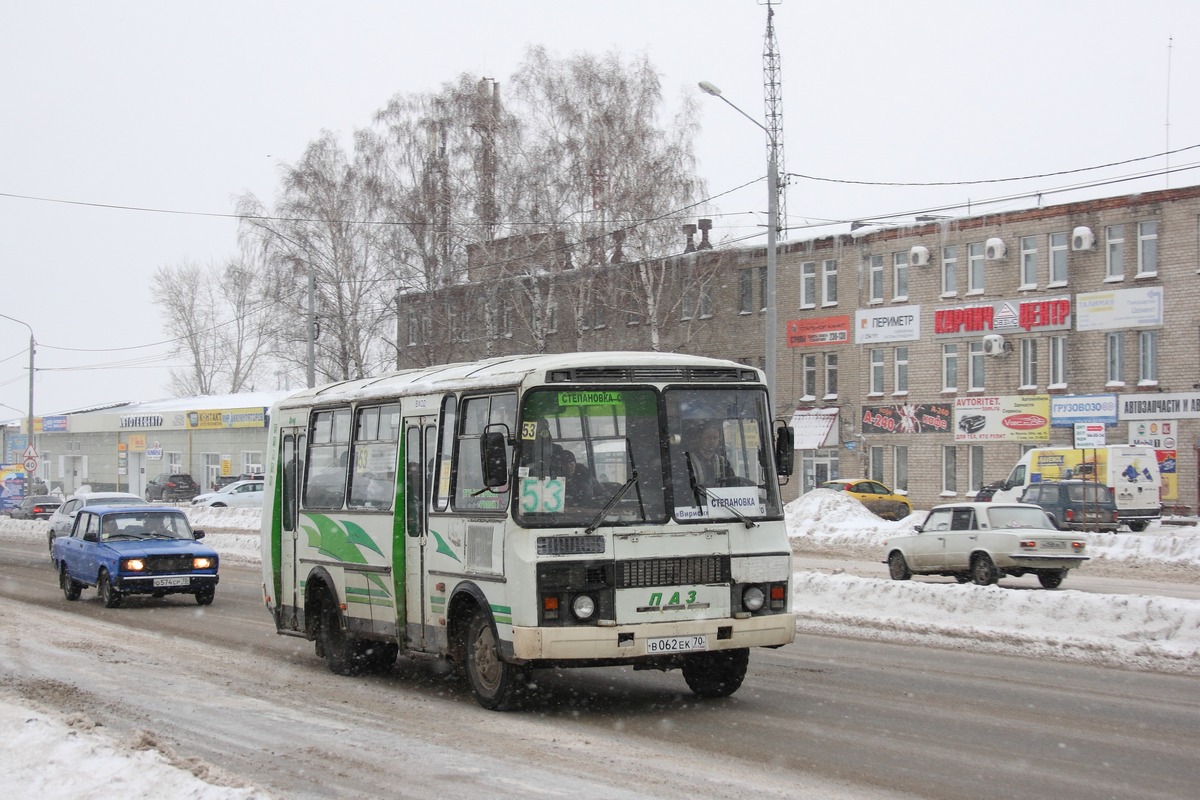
[818, 332]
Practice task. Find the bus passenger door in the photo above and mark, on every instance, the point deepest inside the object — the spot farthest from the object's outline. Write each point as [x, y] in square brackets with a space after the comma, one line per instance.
[420, 439]
[293, 445]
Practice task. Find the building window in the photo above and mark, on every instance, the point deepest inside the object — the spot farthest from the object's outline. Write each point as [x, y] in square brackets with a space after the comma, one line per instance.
[1058, 361]
[1058, 258]
[949, 470]
[829, 281]
[1028, 262]
[252, 462]
[975, 361]
[950, 269]
[949, 368]
[687, 306]
[212, 468]
[1114, 235]
[901, 359]
[808, 284]
[1147, 249]
[877, 371]
[808, 367]
[900, 463]
[762, 289]
[831, 376]
[745, 291]
[174, 462]
[1114, 344]
[900, 275]
[1147, 357]
[875, 467]
[1029, 363]
[875, 279]
[975, 469]
[552, 317]
[706, 302]
[506, 318]
[975, 253]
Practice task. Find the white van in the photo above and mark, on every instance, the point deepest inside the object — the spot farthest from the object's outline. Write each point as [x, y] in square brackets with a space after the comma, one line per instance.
[1130, 472]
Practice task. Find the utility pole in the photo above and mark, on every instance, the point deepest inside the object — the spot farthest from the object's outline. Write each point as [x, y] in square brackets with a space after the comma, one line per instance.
[773, 102]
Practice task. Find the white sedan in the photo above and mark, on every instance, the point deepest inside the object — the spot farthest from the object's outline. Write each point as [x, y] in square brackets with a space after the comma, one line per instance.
[983, 542]
[239, 494]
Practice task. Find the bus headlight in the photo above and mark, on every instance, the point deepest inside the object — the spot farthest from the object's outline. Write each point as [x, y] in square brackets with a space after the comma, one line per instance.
[753, 598]
[583, 606]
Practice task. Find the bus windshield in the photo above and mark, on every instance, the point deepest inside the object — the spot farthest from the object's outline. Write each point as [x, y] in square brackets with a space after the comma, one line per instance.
[720, 451]
[580, 447]
[709, 459]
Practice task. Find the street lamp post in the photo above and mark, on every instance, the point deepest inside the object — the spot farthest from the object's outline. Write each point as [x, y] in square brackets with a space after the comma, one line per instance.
[770, 332]
[29, 422]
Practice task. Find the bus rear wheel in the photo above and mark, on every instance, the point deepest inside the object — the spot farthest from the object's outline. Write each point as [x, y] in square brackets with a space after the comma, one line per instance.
[494, 682]
[341, 650]
[718, 674]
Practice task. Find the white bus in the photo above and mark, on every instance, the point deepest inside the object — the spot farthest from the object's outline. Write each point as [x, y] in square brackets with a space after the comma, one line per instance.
[433, 512]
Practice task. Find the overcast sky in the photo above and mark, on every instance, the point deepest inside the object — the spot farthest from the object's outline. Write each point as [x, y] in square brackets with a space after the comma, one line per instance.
[177, 108]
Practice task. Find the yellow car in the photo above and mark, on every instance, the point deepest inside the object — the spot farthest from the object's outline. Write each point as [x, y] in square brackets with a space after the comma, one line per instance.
[874, 495]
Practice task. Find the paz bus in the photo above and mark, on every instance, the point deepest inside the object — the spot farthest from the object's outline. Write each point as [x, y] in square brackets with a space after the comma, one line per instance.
[434, 512]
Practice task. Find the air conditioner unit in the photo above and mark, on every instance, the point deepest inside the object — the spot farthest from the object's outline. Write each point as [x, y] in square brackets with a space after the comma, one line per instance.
[919, 256]
[993, 345]
[994, 249]
[1083, 238]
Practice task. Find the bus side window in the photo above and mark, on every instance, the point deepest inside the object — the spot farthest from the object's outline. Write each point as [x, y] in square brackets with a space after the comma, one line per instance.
[478, 413]
[328, 459]
[442, 472]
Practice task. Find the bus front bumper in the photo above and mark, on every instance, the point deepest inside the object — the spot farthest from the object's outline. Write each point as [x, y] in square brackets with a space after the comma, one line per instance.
[629, 642]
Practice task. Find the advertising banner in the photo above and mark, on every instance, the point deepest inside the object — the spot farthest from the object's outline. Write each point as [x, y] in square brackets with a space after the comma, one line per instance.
[227, 418]
[1008, 418]
[899, 324]
[1119, 309]
[908, 418]
[12, 486]
[818, 332]
[1083, 408]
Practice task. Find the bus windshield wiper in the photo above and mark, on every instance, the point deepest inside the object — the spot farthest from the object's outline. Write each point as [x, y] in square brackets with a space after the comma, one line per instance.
[616, 498]
[700, 491]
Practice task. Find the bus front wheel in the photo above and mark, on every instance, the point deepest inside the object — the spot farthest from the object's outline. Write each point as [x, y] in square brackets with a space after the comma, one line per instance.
[494, 682]
[716, 674]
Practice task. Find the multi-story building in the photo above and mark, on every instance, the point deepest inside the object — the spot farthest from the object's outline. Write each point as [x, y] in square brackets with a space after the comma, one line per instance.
[928, 356]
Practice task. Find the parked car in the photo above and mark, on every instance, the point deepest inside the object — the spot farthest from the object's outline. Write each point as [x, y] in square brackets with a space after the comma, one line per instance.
[221, 481]
[36, 507]
[242, 494]
[874, 495]
[988, 491]
[983, 542]
[124, 550]
[63, 517]
[172, 486]
[1075, 504]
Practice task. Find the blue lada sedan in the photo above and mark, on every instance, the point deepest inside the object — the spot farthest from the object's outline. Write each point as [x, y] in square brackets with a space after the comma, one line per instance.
[123, 550]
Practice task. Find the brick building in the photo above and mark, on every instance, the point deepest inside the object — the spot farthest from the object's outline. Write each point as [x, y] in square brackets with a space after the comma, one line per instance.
[927, 355]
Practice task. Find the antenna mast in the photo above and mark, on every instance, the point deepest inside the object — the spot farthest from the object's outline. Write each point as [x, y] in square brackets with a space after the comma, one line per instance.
[773, 100]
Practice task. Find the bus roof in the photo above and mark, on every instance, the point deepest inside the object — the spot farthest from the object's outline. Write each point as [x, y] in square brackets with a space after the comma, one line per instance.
[621, 366]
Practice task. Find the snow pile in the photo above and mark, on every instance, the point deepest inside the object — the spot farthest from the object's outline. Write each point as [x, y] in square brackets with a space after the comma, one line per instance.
[69, 756]
[825, 521]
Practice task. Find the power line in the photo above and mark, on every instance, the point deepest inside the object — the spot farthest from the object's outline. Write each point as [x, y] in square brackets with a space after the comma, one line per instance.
[991, 180]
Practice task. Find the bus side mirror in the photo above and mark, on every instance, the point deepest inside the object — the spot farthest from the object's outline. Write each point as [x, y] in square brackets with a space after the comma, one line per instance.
[785, 448]
[495, 459]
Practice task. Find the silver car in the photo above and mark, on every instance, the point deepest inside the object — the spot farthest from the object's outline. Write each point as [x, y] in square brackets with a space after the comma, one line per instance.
[63, 518]
[983, 542]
